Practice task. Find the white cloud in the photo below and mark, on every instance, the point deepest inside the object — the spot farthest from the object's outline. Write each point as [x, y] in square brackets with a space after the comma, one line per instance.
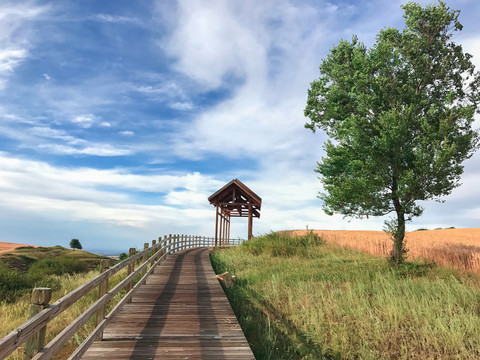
[16, 22]
[46, 76]
[182, 106]
[58, 141]
[115, 19]
[105, 124]
[214, 33]
[10, 58]
[89, 194]
[127, 133]
[85, 120]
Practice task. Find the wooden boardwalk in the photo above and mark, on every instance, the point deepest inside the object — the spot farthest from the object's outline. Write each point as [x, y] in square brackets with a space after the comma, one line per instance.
[180, 313]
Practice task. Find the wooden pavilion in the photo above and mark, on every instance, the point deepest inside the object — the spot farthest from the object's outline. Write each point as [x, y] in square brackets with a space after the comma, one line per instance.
[235, 199]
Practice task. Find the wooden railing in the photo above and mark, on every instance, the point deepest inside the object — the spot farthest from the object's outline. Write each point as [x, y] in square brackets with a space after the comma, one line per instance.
[33, 331]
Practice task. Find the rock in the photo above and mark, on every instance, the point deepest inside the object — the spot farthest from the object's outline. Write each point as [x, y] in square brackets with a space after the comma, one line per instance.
[226, 279]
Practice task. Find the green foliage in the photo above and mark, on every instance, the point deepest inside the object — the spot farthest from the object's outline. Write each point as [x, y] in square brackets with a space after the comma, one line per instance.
[57, 266]
[400, 115]
[75, 244]
[123, 256]
[274, 244]
[344, 304]
[11, 283]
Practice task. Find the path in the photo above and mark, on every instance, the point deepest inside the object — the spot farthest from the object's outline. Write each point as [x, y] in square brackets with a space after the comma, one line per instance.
[180, 313]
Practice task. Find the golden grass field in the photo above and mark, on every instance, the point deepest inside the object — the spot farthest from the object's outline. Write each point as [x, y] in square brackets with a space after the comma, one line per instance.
[459, 248]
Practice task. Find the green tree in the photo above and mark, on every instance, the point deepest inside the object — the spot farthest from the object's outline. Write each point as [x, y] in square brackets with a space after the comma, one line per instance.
[75, 244]
[400, 118]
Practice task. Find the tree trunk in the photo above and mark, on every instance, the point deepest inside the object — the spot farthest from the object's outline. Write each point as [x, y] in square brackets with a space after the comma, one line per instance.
[399, 250]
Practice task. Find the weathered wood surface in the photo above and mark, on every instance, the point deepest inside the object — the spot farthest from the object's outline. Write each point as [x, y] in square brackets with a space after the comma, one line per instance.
[180, 313]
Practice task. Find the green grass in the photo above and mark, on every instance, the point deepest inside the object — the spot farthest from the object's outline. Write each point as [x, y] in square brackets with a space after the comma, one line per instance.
[310, 300]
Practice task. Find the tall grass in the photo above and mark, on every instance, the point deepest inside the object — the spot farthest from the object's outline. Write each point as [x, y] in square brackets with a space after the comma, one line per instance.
[329, 302]
[13, 315]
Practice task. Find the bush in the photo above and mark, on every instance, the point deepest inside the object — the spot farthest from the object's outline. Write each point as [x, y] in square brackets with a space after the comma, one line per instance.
[12, 283]
[56, 266]
[275, 244]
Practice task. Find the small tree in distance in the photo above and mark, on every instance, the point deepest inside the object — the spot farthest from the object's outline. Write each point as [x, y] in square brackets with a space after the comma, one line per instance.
[400, 115]
[75, 244]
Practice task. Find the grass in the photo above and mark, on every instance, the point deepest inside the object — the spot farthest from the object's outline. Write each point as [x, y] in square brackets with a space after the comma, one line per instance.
[314, 300]
[61, 269]
[27, 267]
[13, 315]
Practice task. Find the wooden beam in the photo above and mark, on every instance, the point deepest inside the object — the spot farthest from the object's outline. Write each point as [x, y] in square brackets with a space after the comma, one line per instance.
[250, 223]
[216, 225]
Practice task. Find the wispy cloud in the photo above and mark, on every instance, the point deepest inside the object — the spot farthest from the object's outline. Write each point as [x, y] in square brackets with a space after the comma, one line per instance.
[16, 22]
[109, 18]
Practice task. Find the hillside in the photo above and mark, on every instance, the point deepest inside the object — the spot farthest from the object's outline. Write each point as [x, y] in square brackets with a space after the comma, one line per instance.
[27, 267]
[21, 258]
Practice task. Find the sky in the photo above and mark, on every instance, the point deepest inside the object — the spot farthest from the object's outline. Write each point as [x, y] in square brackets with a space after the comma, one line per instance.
[119, 118]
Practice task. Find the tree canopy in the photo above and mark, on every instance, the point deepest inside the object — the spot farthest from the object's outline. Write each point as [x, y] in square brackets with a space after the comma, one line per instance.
[75, 244]
[399, 116]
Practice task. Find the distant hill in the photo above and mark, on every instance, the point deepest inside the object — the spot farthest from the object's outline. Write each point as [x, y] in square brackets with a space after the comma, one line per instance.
[27, 267]
[22, 257]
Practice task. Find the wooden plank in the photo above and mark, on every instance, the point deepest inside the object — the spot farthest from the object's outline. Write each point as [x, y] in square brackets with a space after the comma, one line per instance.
[180, 312]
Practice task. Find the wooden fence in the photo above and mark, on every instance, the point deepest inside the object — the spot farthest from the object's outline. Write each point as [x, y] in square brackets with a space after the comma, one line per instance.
[33, 331]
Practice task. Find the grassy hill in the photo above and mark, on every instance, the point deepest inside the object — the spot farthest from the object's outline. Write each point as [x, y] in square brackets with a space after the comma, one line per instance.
[27, 267]
[303, 298]
[22, 258]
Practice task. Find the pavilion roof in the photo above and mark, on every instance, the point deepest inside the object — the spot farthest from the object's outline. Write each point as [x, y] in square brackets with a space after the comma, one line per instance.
[235, 199]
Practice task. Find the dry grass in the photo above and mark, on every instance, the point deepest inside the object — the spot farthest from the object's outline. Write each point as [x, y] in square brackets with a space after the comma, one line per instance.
[13, 315]
[459, 248]
[7, 247]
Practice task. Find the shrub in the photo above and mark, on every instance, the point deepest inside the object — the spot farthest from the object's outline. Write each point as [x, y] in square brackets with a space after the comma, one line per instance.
[12, 283]
[56, 266]
[275, 244]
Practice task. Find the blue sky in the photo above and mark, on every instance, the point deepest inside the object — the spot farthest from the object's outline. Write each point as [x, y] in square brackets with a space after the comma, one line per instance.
[119, 118]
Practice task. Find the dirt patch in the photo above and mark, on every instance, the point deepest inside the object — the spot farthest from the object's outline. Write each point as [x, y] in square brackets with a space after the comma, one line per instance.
[6, 246]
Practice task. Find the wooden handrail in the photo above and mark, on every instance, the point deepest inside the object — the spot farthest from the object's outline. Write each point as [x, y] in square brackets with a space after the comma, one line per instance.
[158, 251]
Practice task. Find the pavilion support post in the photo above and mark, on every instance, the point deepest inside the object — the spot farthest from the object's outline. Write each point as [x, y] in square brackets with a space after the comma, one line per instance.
[250, 222]
[222, 236]
[220, 232]
[216, 225]
[228, 232]
[224, 228]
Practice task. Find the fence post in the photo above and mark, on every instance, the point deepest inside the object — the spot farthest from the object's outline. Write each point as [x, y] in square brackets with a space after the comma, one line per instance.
[154, 250]
[102, 290]
[40, 299]
[170, 247]
[161, 245]
[144, 257]
[131, 268]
